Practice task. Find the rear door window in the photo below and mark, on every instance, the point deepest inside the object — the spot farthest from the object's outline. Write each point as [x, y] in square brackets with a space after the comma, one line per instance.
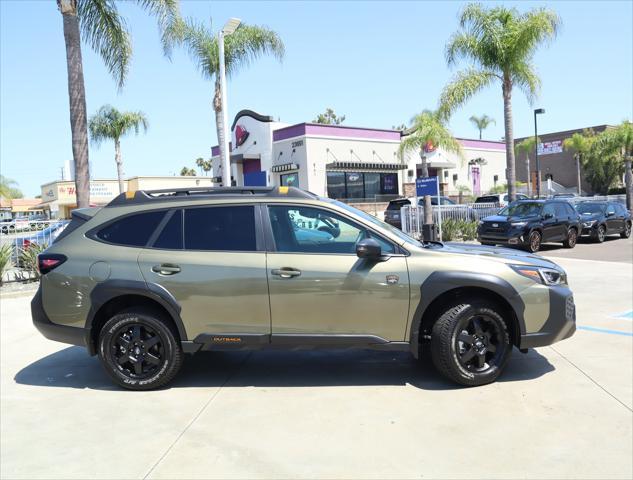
[226, 228]
[170, 238]
[561, 211]
[131, 230]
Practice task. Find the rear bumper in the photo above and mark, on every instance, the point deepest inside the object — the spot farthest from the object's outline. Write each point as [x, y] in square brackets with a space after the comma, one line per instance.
[53, 331]
[561, 323]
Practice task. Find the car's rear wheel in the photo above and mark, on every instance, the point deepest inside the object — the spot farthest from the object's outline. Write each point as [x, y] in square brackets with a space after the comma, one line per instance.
[470, 343]
[139, 351]
[600, 234]
[626, 233]
[572, 238]
[534, 242]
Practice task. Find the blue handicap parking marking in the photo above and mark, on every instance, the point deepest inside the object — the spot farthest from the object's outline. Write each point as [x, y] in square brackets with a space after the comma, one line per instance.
[604, 330]
[625, 315]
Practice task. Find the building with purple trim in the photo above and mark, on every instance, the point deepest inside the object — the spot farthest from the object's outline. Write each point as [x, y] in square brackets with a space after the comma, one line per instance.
[349, 162]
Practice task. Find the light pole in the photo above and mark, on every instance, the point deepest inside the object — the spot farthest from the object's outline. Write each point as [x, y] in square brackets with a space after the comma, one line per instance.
[538, 111]
[225, 155]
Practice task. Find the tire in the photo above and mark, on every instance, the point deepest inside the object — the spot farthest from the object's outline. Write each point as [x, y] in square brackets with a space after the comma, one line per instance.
[534, 242]
[626, 233]
[134, 333]
[572, 238]
[600, 234]
[454, 351]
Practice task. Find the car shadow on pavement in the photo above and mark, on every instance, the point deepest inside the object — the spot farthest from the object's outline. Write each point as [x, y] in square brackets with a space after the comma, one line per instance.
[73, 368]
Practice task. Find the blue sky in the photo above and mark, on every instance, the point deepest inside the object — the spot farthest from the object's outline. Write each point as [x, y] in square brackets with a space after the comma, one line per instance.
[377, 62]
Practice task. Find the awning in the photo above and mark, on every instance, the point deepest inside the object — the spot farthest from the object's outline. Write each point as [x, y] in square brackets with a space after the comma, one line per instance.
[240, 157]
[365, 167]
[284, 167]
[441, 164]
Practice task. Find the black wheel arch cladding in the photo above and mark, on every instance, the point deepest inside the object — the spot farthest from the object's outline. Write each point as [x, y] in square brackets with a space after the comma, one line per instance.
[439, 283]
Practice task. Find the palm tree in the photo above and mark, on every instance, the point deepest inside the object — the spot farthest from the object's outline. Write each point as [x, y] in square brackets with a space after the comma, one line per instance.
[500, 42]
[246, 44]
[110, 124]
[481, 123]
[99, 23]
[580, 144]
[187, 172]
[428, 130]
[527, 146]
[625, 137]
[9, 188]
[200, 164]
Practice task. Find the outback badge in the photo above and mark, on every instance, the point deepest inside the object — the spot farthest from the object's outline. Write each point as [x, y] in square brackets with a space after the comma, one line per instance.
[392, 279]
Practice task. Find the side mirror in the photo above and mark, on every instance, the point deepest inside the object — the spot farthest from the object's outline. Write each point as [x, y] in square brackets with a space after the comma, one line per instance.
[368, 248]
[547, 216]
[610, 214]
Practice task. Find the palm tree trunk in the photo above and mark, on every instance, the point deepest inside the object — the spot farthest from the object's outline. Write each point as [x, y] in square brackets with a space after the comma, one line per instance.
[119, 164]
[628, 181]
[579, 179]
[219, 123]
[527, 173]
[507, 117]
[78, 115]
[480, 133]
[428, 209]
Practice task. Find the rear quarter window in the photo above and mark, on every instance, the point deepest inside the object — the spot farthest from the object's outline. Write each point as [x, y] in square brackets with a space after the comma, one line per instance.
[132, 230]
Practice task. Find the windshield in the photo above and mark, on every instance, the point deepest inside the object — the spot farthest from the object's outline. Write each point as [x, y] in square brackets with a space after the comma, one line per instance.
[370, 218]
[591, 208]
[522, 209]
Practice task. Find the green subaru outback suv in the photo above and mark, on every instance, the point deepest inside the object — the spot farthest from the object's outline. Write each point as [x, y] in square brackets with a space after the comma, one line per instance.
[157, 274]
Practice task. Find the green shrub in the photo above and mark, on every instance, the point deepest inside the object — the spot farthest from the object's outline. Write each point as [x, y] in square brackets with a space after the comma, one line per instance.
[458, 230]
[28, 259]
[6, 251]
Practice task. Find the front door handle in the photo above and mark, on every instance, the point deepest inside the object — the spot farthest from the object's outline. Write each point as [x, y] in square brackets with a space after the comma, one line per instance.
[286, 272]
[166, 269]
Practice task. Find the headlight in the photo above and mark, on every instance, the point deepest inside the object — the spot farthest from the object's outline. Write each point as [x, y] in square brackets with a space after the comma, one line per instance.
[545, 276]
[480, 223]
[519, 224]
[590, 223]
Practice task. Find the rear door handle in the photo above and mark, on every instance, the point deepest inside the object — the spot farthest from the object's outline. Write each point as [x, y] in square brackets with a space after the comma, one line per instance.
[286, 272]
[166, 269]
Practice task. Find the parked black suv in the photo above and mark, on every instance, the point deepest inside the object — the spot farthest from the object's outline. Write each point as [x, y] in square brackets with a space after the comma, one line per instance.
[601, 218]
[529, 223]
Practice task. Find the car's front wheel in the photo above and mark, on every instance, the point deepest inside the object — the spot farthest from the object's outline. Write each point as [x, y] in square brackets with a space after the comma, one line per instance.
[600, 234]
[470, 343]
[626, 233]
[139, 350]
[572, 238]
[534, 242]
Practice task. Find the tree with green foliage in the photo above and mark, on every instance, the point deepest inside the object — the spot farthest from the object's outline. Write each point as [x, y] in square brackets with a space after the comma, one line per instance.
[500, 43]
[579, 143]
[481, 123]
[428, 130]
[624, 138]
[100, 25]
[602, 163]
[111, 124]
[187, 172]
[329, 118]
[527, 146]
[9, 188]
[204, 165]
[241, 48]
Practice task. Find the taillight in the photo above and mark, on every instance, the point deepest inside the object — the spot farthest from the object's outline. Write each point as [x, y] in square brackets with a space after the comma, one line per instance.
[49, 261]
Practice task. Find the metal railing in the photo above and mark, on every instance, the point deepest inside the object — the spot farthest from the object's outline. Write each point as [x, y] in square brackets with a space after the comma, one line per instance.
[412, 217]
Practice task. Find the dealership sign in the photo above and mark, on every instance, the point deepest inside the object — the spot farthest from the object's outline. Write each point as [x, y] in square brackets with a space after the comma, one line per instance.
[548, 148]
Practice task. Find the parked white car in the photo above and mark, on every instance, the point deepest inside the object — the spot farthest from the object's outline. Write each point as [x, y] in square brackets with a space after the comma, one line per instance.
[499, 198]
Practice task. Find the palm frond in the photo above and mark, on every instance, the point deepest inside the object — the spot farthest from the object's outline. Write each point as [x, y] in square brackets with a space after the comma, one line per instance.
[248, 43]
[106, 32]
[167, 13]
[427, 127]
[524, 76]
[465, 84]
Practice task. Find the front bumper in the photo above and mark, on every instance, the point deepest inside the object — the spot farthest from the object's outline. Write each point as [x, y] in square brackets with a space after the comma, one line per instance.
[53, 331]
[510, 239]
[560, 324]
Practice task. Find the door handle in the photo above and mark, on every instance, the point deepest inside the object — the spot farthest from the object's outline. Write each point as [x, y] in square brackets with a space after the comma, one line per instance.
[286, 272]
[166, 269]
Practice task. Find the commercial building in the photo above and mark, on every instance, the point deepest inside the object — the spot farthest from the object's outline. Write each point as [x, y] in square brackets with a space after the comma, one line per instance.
[11, 208]
[59, 199]
[349, 163]
[557, 163]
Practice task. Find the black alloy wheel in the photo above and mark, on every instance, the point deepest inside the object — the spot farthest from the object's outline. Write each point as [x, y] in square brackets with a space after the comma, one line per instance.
[140, 349]
[534, 242]
[470, 342]
[626, 233]
[572, 238]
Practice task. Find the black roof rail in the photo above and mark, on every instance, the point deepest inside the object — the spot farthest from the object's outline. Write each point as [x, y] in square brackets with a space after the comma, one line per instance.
[133, 197]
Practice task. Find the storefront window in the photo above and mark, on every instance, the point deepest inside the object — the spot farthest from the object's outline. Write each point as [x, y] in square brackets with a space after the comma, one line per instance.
[289, 180]
[359, 185]
[336, 184]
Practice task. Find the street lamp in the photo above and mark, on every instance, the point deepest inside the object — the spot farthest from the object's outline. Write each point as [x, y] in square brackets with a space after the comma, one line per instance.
[225, 156]
[537, 111]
